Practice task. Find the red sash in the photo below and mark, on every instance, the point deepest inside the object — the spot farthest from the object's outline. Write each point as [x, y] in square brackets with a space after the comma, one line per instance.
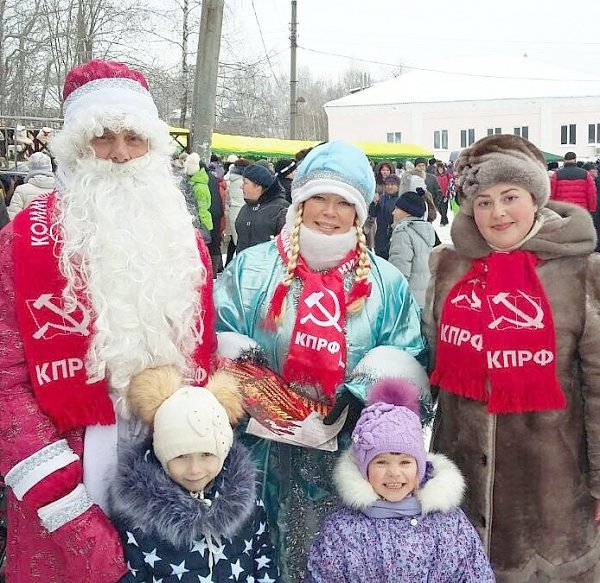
[317, 353]
[497, 326]
[56, 342]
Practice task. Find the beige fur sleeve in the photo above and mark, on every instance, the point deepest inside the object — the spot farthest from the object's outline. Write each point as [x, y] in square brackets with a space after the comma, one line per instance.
[589, 352]
[438, 256]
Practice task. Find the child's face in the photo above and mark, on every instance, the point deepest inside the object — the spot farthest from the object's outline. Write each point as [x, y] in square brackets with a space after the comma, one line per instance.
[393, 475]
[193, 471]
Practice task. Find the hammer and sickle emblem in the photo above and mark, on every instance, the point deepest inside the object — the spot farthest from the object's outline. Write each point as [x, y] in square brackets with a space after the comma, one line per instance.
[314, 301]
[525, 321]
[67, 323]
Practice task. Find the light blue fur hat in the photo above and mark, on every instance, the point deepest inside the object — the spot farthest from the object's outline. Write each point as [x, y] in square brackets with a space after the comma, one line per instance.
[336, 168]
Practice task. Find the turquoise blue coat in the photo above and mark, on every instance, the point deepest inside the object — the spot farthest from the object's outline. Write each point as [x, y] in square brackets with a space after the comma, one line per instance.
[297, 484]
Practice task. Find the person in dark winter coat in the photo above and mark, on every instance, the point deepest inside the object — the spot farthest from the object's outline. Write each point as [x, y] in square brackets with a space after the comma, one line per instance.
[400, 518]
[431, 182]
[263, 215]
[185, 501]
[285, 169]
[217, 188]
[381, 210]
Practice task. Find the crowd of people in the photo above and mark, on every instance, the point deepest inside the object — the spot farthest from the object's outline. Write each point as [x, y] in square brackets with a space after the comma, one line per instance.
[168, 415]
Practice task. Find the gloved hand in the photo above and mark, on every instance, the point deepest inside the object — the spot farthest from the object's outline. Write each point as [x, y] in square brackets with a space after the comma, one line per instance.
[345, 400]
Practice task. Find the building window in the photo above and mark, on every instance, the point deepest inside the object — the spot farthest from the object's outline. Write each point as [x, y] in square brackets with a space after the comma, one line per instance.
[522, 131]
[492, 131]
[594, 133]
[394, 137]
[568, 134]
[440, 140]
[467, 137]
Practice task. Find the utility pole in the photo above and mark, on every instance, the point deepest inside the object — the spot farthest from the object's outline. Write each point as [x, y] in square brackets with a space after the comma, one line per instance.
[205, 79]
[293, 78]
[185, 96]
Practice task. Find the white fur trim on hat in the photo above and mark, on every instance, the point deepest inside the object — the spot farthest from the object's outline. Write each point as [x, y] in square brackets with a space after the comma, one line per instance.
[114, 94]
[330, 186]
[72, 142]
[442, 492]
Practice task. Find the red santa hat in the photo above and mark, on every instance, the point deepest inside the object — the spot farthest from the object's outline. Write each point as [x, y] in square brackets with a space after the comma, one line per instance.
[107, 84]
[106, 94]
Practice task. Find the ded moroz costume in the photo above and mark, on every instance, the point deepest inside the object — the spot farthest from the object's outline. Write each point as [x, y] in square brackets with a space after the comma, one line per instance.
[112, 295]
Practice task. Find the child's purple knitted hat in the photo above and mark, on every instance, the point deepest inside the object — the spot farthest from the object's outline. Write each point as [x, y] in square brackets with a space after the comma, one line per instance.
[390, 424]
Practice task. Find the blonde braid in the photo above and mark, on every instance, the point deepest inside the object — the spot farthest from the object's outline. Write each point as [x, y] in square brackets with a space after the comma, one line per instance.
[363, 269]
[292, 261]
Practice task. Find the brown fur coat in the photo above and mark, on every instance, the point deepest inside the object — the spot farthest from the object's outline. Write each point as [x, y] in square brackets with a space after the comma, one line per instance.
[533, 478]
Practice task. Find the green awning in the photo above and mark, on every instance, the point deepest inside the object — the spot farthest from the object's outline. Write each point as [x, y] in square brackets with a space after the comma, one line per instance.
[551, 157]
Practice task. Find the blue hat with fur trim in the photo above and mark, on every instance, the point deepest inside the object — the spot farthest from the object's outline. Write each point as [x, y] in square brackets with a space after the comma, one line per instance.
[336, 168]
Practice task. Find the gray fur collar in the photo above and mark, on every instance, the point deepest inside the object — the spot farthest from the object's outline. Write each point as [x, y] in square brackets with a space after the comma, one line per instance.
[144, 497]
[568, 230]
[443, 492]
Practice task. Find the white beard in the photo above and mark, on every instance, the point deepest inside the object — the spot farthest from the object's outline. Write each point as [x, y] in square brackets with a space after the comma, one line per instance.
[130, 245]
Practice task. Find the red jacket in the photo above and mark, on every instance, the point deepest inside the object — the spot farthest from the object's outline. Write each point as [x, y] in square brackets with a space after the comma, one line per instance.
[443, 181]
[575, 185]
[87, 546]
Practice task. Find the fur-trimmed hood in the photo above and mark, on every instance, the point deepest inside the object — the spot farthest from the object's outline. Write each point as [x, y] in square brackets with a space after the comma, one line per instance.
[442, 492]
[567, 230]
[143, 496]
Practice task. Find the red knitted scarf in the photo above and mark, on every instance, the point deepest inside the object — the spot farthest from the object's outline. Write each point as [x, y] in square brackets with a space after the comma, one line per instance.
[55, 341]
[496, 339]
[317, 353]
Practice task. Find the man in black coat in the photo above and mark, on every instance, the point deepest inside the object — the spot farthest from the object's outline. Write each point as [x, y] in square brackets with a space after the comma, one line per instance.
[434, 187]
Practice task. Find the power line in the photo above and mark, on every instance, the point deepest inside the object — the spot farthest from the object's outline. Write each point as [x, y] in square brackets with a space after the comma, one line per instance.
[265, 48]
[397, 66]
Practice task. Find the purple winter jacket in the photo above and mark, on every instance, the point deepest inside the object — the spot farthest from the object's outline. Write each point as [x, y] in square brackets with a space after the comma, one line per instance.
[438, 546]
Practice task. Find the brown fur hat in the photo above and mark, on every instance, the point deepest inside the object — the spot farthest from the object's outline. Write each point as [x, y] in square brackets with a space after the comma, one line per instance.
[501, 158]
[151, 387]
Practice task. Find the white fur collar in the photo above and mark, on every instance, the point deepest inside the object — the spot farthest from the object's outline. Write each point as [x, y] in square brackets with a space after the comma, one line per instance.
[443, 492]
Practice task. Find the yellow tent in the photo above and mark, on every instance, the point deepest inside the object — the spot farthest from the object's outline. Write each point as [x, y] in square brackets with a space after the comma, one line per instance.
[277, 148]
[258, 147]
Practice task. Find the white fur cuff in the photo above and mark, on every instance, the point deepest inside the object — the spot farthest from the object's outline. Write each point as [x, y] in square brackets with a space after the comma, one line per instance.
[232, 344]
[58, 513]
[28, 472]
[330, 186]
[388, 361]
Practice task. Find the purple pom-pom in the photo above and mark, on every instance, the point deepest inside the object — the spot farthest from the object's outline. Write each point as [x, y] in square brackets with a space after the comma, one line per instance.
[398, 392]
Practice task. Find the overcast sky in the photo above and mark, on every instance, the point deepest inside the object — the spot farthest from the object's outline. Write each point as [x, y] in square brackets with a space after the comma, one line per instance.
[427, 34]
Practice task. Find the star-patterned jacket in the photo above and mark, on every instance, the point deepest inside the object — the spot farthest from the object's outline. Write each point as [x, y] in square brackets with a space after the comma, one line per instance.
[171, 537]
